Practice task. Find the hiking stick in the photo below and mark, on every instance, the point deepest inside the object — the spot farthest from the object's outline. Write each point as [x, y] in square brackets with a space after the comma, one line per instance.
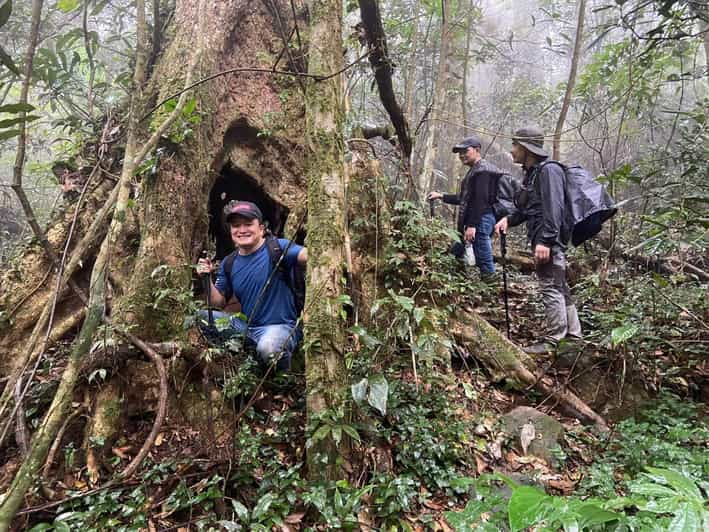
[503, 251]
[206, 281]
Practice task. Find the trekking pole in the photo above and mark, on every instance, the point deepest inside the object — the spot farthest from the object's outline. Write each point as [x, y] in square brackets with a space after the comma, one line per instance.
[206, 281]
[503, 250]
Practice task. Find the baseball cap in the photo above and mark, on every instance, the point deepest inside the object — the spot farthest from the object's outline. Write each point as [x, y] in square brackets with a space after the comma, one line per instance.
[242, 208]
[470, 142]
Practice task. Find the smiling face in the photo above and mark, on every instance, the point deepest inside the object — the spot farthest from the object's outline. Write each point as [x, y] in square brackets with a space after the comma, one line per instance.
[470, 156]
[246, 233]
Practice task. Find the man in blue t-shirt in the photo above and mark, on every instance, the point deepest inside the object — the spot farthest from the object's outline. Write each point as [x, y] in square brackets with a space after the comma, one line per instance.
[267, 301]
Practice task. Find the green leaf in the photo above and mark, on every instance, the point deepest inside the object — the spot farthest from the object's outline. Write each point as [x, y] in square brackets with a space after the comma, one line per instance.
[241, 511]
[419, 313]
[5, 11]
[321, 433]
[528, 506]
[686, 519]
[378, 394]
[12, 121]
[337, 434]
[468, 518]
[592, 515]
[359, 390]
[263, 504]
[8, 134]
[622, 334]
[6, 60]
[67, 5]
[352, 432]
[681, 483]
[16, 108]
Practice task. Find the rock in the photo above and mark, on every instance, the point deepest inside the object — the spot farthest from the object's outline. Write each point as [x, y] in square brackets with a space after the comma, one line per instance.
[524, 421]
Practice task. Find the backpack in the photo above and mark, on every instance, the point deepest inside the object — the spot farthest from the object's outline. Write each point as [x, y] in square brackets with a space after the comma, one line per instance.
[588, 204]
[293, 277]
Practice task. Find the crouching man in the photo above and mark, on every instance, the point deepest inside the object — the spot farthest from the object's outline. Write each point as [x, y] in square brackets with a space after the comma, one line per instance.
[267, 297]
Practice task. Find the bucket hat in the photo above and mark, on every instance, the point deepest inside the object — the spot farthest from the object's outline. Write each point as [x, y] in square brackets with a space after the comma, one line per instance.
[532, 139]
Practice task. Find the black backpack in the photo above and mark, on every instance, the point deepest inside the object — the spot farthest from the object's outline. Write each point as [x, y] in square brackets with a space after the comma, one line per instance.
[588, 204]
[293, 277]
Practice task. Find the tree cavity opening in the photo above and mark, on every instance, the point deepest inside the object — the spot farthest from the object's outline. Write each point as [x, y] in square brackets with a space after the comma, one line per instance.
[234, 184]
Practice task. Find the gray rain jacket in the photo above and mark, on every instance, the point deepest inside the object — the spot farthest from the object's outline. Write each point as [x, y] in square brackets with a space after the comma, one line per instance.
[544, 209]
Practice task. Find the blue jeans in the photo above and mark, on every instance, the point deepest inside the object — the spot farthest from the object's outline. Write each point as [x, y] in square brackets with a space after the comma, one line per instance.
[271, 341]
[482, 245]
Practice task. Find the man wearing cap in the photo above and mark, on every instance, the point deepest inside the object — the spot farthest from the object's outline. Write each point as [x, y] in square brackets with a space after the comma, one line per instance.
[478, 204]
[267, 300]
[541, 203]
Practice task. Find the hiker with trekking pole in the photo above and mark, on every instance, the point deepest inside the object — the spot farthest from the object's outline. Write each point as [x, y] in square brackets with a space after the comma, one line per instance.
[560, 204]
[260, 274]
[479, 205]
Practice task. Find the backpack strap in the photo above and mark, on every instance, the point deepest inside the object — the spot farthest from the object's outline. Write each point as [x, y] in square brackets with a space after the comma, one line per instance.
[275, 253]
[228, 265]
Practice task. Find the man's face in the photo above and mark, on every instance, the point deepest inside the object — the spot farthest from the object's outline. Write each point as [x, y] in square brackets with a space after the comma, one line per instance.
[246, 232]
[470, 156]
[519, 154]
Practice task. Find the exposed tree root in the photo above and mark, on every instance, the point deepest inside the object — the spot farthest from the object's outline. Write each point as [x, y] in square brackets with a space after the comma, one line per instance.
[504, 360]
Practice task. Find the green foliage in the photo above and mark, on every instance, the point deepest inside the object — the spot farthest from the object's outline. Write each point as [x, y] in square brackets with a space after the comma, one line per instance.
[670, 434]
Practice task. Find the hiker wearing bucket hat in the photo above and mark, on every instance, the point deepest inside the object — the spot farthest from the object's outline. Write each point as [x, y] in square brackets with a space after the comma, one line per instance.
[478, 205]
[541, 204]
[257, 275]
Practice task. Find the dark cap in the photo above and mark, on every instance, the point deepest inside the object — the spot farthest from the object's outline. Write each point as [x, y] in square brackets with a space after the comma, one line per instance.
[470, 142]
[532, 139]
[242, 208]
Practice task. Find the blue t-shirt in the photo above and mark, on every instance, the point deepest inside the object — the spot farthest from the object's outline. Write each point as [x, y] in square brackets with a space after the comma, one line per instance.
[249, 273]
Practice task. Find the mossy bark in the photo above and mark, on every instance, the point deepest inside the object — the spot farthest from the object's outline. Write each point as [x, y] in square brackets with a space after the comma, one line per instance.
[324, 327]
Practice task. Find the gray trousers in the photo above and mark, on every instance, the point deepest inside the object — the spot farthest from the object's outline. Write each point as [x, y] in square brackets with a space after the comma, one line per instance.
[562, 319]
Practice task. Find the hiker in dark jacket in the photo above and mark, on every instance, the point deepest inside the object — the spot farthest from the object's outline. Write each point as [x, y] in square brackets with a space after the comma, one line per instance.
[541, 204]
[266, 300]
[478, 204]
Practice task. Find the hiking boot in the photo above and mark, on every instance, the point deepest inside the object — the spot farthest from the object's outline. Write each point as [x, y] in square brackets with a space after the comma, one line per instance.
[540, 348]
[489, 278]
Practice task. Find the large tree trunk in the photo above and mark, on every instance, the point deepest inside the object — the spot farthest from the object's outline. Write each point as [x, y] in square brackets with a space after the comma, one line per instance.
[156, 235]
[324, 328]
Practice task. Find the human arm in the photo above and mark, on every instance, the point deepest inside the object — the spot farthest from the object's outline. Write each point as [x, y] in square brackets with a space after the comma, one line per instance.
[551, 182]
[302, 257]
[216, 298]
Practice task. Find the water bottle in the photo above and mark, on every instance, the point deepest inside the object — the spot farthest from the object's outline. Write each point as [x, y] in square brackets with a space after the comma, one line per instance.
[469, 256]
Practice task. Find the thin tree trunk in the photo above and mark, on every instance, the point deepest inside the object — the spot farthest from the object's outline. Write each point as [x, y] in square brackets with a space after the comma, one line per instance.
[426, 178]
[466, 62]
[324, 328]
[410, 84]
[556, 152]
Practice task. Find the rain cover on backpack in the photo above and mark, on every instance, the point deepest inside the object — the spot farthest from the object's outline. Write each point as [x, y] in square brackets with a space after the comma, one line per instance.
[588, 204]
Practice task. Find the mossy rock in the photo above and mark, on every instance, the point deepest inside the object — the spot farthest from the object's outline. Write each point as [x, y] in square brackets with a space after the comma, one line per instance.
[547, 432]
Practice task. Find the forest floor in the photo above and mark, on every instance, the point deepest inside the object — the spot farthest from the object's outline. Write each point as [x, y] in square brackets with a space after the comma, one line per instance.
[430, 460]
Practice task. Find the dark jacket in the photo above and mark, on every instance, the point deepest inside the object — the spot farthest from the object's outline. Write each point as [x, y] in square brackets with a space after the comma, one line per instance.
[478, 194]
[545, 207]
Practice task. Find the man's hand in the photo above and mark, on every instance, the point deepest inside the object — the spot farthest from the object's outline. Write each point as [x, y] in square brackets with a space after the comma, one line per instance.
[469, 235]
[541, 254]
[501, 226]
[204, 266]
[434, 195]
